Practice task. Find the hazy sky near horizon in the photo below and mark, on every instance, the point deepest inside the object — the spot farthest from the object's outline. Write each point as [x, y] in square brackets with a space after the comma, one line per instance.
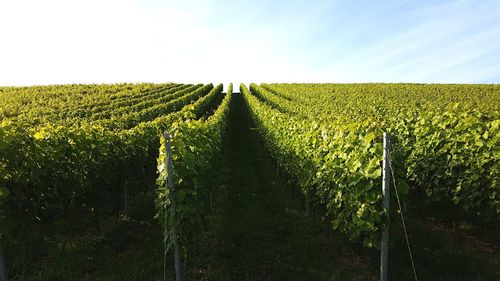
[109, 41]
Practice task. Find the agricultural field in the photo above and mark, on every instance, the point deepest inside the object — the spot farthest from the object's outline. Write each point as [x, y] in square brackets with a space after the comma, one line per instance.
[274, 182]
[73, 155]
[329, 138]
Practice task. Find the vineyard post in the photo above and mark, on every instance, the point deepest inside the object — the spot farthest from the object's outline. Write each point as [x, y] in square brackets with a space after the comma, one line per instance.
[3, 268]
[170, 186]
[386, 181]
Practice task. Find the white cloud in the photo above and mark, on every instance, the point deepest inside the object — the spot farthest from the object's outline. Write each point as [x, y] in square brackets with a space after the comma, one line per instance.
[451, 42]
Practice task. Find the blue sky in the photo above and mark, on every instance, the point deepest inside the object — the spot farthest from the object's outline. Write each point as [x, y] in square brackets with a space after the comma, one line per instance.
[106, 41]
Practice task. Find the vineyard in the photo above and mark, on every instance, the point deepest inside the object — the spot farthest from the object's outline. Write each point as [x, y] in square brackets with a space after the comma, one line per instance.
[447, 145]
[277, 182]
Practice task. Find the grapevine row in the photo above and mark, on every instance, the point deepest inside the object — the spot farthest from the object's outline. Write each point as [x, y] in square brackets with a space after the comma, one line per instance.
[196, 149]
[48, 170]
[450, 155]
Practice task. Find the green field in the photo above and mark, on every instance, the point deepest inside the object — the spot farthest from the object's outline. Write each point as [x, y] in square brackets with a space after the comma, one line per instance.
[273, 182]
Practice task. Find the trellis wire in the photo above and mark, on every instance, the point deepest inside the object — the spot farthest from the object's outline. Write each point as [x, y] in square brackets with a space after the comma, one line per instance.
[402, 220]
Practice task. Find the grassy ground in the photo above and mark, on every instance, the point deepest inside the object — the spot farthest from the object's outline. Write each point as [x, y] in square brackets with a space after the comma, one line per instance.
[265, 234]
[121, 249]
[257, 231]
[443, 251]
